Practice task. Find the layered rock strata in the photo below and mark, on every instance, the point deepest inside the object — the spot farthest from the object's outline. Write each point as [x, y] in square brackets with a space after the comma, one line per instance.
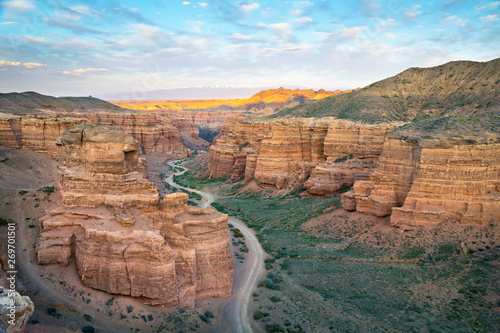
[275, 152]
[423, 182]
[351, 150]
[152, 132]
[35, 132]
[292, 151]
[240, 139]
[122, 239]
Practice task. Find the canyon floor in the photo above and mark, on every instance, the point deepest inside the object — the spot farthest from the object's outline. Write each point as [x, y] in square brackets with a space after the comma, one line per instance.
[328, 270]
[331, 270]
[62, 303]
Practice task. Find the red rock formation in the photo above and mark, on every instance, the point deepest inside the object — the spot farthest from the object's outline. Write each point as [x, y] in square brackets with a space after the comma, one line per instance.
[153, 133]
[111, 224]
[294, 148]
[189, 134]
[275, 152]
[352, 151]
[38, 133]
[425, 182]
[240, 137]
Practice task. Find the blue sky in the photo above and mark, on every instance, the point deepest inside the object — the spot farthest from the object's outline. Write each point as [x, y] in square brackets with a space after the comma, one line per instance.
[61, 47]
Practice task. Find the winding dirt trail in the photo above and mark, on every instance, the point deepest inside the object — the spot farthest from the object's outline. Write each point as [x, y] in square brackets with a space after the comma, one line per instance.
[235, 316]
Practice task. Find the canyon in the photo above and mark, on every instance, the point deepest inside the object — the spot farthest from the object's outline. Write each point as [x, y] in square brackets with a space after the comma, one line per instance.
[328, 152]
[123, 239]
[155, 134]
[409, 165]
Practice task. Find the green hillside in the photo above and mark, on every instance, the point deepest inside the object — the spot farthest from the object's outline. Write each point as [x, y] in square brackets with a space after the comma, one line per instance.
[456, 88]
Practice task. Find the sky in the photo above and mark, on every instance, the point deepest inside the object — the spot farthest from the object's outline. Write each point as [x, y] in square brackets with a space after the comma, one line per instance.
[90, 47]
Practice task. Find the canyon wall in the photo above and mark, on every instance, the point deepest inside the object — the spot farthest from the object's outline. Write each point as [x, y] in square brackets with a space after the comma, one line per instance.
[276, 152]
[39, 132]
[422, 182]
[351, 150]
[153, 133]
[240, 139]
[122, 238]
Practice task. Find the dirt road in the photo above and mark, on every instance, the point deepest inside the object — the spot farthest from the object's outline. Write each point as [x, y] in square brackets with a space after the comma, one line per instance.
[235, 316]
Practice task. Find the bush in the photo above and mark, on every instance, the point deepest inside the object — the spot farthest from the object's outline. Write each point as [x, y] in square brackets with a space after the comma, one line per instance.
[275, 299]
[269, 284]
[209, 314]
[205, 319]
[237, 233]
[22, 192]
[88, 329]
[130, 308]
[275, 328]
[258, 315]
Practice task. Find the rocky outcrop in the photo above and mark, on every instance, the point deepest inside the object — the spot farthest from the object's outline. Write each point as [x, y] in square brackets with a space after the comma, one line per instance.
[38, 133]
[240, 138]
[122, 239]
[15, 310]
[189, 134]
[293, 150]
[153, 133]
[275, 152]
[422, 182]
[351, 150]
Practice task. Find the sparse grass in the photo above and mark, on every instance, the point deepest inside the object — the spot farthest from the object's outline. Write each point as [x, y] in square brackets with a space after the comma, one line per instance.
[351, 277]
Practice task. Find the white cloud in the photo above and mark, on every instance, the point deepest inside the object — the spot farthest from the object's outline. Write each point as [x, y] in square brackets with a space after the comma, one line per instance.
[390, 35]
[9, 63]
[296, 12]
[455, 20]
[240, 36]
[411, 13]
[87, 70]
[281, 29]
[185, 3]
[352, 33]
[489, 18]
[31, 65]
[19, 6]
[8, 23]
[388, 22]
[246, 9]
[491, 5]
[304, 20]
[203, 4]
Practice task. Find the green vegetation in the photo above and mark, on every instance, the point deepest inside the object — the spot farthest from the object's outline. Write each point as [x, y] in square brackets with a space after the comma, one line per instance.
[378, 279]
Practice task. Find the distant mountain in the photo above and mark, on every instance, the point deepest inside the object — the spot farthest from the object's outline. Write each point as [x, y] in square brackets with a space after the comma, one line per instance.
[27, 102]
[455, 88]
[208, 92]
[275, 98]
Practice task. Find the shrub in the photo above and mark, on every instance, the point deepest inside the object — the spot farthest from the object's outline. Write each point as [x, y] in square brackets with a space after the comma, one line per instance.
[205, 319]
[88, 329]
[237, 233]
[22, 192]
[275, 328]
[258, 315]
[269, 284]
[130, 308]
[275, 299]
[209, 314]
